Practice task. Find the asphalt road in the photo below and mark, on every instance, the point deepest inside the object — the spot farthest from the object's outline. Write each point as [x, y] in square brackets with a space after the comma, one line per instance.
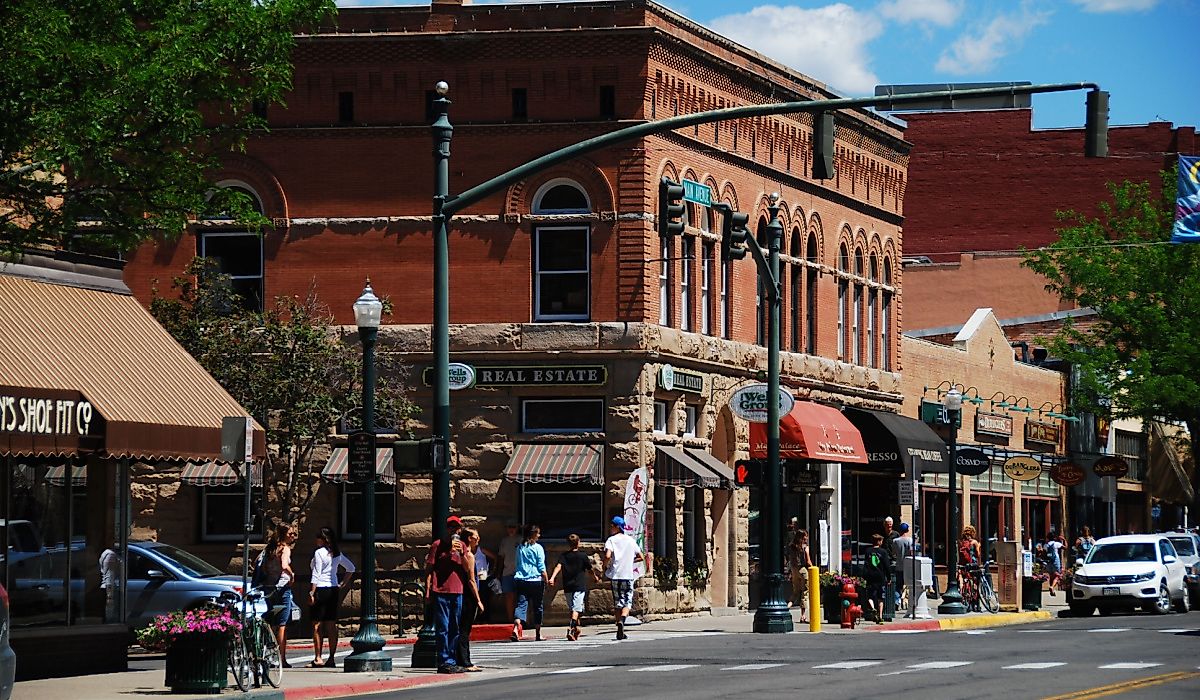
[1131, 656]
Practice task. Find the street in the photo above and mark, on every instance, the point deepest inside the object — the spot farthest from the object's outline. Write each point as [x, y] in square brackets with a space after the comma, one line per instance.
[1135, 656]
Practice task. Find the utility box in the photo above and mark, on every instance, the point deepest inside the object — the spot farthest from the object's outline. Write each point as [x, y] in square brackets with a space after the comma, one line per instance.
[918, 605]
[1009, 564]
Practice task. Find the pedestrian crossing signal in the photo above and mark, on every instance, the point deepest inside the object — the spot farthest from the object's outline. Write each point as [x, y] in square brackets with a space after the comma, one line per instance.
[747, 473]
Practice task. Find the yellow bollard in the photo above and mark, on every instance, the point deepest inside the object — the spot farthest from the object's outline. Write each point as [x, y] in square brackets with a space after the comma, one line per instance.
[814, 599]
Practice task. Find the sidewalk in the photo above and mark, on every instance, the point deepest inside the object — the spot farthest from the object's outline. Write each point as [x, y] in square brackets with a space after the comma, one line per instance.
[145, 677]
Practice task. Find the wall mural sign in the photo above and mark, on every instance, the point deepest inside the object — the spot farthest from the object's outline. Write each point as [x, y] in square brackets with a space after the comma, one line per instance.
[1022, 468]
[1111, 466]
[994, 424]
[1067, 474]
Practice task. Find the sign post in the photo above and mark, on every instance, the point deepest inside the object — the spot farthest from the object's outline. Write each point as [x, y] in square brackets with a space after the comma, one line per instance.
[361, 449]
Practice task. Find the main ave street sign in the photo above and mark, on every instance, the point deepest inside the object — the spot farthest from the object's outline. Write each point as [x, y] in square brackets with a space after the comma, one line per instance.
[697, 192]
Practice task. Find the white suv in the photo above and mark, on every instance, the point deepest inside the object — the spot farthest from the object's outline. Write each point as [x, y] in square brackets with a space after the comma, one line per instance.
[1127, 571]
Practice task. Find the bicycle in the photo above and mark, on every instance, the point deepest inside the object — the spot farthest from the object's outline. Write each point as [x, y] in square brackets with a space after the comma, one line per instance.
[254, 655]
[977, 591]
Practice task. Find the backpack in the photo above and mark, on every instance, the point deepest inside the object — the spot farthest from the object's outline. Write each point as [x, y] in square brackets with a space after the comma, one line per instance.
[875, 565]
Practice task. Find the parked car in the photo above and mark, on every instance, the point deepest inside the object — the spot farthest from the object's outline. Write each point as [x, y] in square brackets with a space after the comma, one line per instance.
[1187, 544]
[8, 660]
[1128, 571]
[163, 577]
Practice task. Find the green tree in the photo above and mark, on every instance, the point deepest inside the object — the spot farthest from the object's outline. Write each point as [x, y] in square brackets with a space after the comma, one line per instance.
[294, 371]
[1142, 349]
[117, 111]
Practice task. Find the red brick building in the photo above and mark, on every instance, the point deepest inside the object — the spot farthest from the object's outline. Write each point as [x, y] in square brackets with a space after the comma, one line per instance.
[566, 271]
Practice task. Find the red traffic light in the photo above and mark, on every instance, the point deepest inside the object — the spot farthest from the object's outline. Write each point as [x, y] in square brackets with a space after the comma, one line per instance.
[747, 472]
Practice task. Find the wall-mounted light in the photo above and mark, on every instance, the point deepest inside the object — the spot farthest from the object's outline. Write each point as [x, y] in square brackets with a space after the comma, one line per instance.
[1048, 409]
[1017, 407]
[1002, 403]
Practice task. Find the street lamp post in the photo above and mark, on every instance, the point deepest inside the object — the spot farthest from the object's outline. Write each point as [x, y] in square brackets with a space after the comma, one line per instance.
[368, 643]
[772, 614]
[952, 603]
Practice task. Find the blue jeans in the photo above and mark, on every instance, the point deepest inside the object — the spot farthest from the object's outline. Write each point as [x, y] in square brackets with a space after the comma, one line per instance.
[529, 601]
[448, 608]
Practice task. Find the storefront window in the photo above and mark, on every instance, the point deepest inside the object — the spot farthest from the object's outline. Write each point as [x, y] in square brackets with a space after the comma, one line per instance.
[562, 509]
[222, 512]
[352, 506]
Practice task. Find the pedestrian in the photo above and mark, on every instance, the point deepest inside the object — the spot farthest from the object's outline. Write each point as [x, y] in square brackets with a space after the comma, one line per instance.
[507, 554]
[472, 603]
[799, 560]
[889, 536]
[530, 583]
[445, 577]
[110, 580]
[575, 567]
[274, 569]
[332, 572]
[901, 549]
[620, 553]
[1054, 547]
[1085, 542]
[877, 573]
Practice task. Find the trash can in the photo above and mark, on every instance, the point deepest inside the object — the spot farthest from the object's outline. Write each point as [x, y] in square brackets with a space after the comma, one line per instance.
[1031, 594]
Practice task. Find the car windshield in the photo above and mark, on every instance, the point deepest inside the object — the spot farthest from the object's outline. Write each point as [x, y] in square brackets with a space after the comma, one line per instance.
[187, 562]
[1122, 551]
[1184, 546]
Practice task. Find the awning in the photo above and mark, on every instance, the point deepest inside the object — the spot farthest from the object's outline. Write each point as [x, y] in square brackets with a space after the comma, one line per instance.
[546, 463]
[57, 476]
[894, 442]
[812, 431]
[102, 349]
[674, 467]
[337, 469]
[218, 474]
[716, 465]
[1168, 477]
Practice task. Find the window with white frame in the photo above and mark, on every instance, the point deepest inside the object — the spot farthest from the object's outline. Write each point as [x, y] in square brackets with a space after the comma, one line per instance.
[726, 298]
[660, 417]
[872, 355]
[663, 510]
[238, 254]
[843, 292]
[562, 415]
[687, 253]
[706, 272]
[562, 276]
[690, 418]
[664, 283]
[353, 500]
[1131, 447]
[695, 536]
[810, 298]
[222, 511]
[885, 329]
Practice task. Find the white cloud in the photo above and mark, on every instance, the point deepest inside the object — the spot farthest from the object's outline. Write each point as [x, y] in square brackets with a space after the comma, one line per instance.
[978, 50]
[1099, 6]
[828, 44]
[940, 12]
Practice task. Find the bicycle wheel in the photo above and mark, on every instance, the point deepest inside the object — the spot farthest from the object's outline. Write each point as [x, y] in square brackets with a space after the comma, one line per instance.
[270, 661]
[239, 664]
[970, 594]
[987, 595]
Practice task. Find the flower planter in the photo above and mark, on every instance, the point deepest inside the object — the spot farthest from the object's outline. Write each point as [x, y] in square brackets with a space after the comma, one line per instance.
[1031, 594]
[198, 664]
[831, 602]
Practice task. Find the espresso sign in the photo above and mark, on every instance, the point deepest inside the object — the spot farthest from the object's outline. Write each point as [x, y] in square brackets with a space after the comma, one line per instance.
[1022, 468]
[993, 424]
[541, 375]
[1111, 466]
[1044, 433]
[1067, 474]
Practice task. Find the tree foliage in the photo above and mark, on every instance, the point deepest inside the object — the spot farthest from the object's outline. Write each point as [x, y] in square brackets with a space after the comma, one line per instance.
[294, 371]
[1143, 349]
[117, 111]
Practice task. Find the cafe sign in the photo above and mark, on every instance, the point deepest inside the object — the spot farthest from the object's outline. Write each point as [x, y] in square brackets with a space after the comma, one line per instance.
[671, 379]
[1111, 466]
[1067, 474]
[1043, 433]
[534, 375]
[994, 424]
[1022, 468]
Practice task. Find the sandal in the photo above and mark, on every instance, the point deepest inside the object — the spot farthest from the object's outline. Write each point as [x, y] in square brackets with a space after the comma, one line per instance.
[331, 663]
[314, 664]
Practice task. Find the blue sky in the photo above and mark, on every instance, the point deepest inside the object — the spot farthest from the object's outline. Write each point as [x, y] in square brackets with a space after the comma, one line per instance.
[1141, 51]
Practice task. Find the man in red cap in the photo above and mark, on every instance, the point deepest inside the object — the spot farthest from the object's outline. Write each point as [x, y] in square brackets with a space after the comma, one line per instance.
[444, 579]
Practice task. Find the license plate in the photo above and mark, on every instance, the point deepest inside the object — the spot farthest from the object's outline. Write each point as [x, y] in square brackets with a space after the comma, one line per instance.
[1112, 590]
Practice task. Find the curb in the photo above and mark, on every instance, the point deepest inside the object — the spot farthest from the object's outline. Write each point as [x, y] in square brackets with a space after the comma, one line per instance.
[343, 690]
[968, 622]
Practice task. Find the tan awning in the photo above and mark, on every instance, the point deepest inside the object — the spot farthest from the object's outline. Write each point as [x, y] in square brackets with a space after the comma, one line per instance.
[674, 467]
[337, 469]
[555, 463]
[218, 474]
[153, 400]
[716, 465]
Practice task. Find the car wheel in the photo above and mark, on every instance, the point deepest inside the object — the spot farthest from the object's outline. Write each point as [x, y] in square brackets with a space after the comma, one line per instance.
[1082, 609]
[1184, 604]
[1161, 604]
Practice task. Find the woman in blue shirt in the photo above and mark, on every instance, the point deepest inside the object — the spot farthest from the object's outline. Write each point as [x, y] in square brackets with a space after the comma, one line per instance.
[530, 584]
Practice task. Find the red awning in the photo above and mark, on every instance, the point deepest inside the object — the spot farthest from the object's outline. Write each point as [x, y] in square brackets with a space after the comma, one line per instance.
[812, 431]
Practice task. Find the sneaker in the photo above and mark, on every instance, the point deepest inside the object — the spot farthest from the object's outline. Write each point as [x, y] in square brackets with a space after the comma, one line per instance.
[621, 635]
[451, 669]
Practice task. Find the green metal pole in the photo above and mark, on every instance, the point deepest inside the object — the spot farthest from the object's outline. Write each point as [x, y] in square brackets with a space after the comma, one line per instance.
[952, 603]
[368, 643]
[772, 615]
[425, 650]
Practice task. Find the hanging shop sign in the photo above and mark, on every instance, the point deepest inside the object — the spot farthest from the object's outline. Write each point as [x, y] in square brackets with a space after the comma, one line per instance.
[1067, 474]
[1041, 433]
[671, 379]
[533, 375]
[64, 414]
[1022, 468]
[1111, 466]
[750, 403]
[971, 461]
[993, 424]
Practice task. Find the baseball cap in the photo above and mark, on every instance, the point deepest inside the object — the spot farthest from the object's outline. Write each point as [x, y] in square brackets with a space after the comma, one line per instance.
[903, 527]
[618, 521]
[454, 520]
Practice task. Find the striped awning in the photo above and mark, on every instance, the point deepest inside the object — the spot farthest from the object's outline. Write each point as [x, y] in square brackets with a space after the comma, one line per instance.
[337, 469]
[555, 463]
[57, 476]
[218, 474]
[674, 467]
[715, 465]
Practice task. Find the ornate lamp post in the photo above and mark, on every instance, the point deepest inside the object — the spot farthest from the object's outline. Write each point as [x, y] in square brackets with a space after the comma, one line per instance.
[952, 603]
[368, 643]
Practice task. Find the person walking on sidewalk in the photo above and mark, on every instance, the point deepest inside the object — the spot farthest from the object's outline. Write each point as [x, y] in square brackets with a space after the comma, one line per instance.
[799, 561]
[277, 576]
[877, 573]
[1054, 548]
[530, 582]
[445, 574]
[901, 549]
[331, 575]
[472, 599]
[575, 567]
[620, 553]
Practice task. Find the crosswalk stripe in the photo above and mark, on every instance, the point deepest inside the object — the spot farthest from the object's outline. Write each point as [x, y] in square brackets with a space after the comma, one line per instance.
[1178, 631]
[850, 664]
[751, 667]
[975, 631]
[664, 667]
[930, 665]
[580, 669]
[1035, 666]
[1130, 665]
[902, 631]
[1110, 629]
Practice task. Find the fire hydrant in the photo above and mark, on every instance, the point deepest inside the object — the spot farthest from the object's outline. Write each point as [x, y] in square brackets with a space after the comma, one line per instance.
[851, 611]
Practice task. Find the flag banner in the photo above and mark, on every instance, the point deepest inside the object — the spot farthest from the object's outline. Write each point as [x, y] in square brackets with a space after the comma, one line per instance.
[1187, 202]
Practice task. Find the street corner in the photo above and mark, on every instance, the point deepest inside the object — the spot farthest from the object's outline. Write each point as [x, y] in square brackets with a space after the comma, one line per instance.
[997, 620]
[358, 687]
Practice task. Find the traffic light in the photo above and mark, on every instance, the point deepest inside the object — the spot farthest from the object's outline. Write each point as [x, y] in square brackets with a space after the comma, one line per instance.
[670, 208]
[416, 456]
[1095, 129]
[748, 472]
[823, 149]
[734, 234]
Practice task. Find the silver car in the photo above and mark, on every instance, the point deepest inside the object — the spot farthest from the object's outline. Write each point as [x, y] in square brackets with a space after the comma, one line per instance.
[163, 578]
[1187, 545]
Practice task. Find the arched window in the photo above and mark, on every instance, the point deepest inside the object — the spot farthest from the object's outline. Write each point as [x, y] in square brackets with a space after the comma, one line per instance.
[885, 328]
[561, 255]
[872, 299]
[843, 299]
[759, 305]
[857, 321]
[238, 252]
[810, 296]
[796, 302]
